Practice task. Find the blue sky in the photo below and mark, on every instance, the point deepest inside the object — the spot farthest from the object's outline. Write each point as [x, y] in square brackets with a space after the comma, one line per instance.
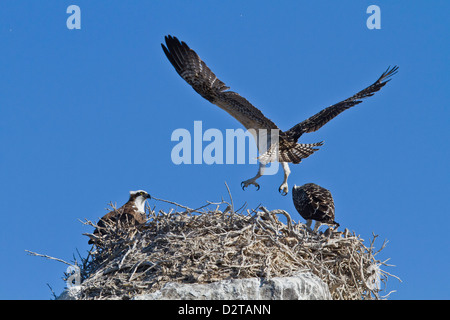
[87, 115]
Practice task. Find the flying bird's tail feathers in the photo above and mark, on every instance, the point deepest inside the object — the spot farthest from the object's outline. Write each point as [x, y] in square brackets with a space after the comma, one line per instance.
[298, 152]
[293, 152]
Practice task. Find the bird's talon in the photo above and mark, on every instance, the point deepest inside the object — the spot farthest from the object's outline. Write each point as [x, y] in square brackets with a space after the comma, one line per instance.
[245, 184]
[283, 189]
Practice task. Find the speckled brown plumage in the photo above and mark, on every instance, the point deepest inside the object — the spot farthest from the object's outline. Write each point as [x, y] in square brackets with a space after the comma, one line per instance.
[128, 215]
[314, 202]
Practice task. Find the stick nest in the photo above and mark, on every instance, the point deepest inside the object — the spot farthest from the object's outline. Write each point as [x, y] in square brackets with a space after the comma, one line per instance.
[209, 244]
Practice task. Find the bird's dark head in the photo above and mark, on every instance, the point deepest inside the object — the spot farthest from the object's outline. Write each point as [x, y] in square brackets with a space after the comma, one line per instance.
[139, 197]
[139, 194]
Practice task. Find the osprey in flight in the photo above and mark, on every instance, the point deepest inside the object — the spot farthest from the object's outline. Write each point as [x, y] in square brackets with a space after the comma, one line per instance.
[314, 203]
[192, 69]
[131, 213]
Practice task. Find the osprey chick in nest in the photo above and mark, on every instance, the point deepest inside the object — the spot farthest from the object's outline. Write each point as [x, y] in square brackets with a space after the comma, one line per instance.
[314, 202]
[131, 213]
[196, 73]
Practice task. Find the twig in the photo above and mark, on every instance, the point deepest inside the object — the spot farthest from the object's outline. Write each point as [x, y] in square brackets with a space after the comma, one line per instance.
[231, 198]
[53, 292]
[48, 257]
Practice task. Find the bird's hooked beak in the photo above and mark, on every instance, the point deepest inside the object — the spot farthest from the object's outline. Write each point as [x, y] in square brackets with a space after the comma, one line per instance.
[148, 196]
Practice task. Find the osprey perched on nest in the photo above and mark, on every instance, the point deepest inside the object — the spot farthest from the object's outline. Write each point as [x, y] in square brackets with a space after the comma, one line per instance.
[314, 202]
[131, 213]
[192, 69]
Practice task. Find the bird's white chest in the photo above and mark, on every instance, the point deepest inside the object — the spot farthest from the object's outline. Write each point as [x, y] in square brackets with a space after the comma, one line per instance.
[139, 204]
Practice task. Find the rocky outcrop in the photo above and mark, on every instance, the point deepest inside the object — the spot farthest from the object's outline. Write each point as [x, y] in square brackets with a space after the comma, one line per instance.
[71, 293]
[303, 286]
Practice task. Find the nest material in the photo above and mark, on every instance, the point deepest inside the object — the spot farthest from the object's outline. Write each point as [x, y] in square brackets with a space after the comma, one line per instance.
[207, 245]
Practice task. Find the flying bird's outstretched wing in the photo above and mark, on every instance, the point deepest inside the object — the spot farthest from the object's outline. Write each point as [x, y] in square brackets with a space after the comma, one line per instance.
[192, 69]
[318, 120]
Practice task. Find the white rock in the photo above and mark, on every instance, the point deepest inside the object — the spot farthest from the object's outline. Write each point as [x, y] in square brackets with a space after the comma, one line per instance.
[303, 286]
[71, 293]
